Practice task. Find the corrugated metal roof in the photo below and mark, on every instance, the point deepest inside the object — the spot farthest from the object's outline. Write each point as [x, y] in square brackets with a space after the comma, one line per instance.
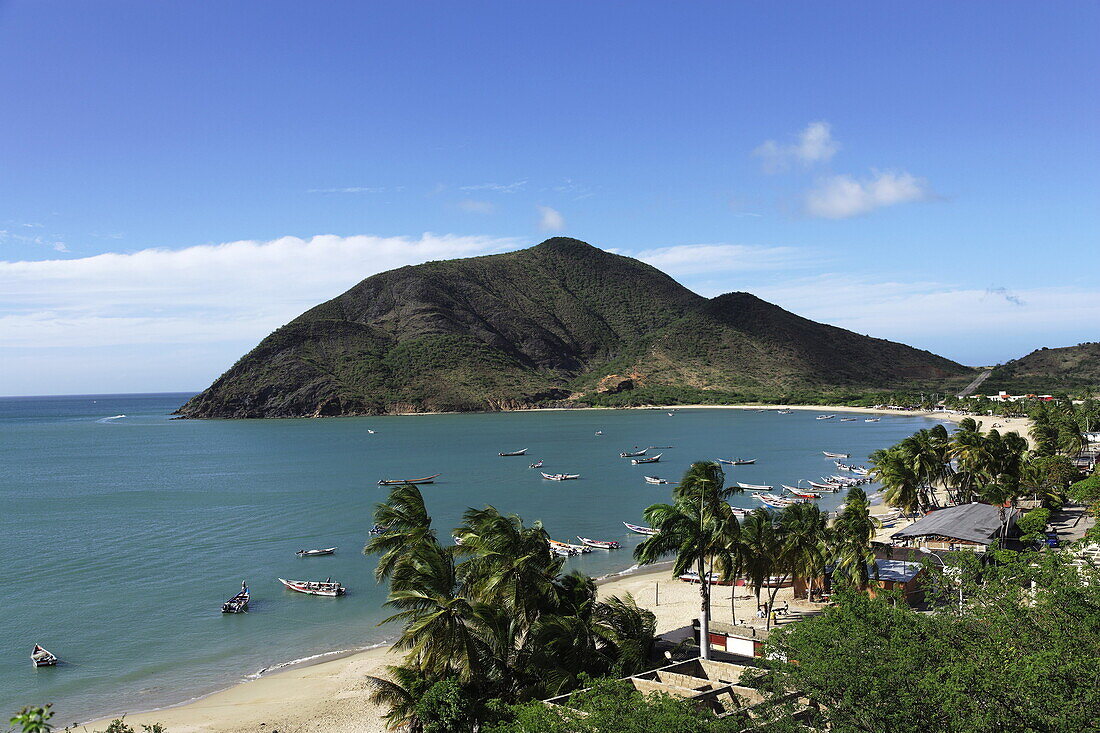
[970, 522]
[897, 571]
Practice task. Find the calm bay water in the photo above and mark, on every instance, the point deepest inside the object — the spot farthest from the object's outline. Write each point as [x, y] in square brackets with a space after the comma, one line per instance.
[121, 537]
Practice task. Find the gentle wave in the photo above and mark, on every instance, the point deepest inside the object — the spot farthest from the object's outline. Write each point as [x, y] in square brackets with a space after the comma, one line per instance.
[109, 419]
[313, 657]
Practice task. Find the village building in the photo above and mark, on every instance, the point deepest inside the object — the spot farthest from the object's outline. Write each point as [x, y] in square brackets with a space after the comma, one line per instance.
[963, 527]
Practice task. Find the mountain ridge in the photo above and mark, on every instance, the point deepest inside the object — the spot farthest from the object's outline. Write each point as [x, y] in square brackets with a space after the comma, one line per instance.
[540, 325]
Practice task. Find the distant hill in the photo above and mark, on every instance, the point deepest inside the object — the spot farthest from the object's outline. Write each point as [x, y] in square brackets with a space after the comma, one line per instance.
[551, 324]
[1069, 368]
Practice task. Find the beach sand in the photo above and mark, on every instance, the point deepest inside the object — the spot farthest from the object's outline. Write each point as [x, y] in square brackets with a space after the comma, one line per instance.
[332, 695]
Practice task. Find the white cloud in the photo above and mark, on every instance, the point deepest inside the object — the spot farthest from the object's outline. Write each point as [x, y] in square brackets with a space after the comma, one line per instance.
[698, 259]
[54, 244]
[550, 220]
[840, 197]
[232, 291]
[496, 187]
[815, 144]
[474, 206]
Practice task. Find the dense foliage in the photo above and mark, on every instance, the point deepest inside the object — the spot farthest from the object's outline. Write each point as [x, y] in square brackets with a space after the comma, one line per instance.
[1022, 654]
[37, 720]
[545, 325]
[491, 620]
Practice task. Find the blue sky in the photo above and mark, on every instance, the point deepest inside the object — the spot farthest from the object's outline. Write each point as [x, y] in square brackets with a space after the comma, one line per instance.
[178, 179]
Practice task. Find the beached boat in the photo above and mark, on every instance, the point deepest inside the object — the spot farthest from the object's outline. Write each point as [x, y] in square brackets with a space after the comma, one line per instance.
[655, 480]
[754, 487]
[825, 417]
[692, 576]
[652, 459]
[400, 481]
[314, 588]
[599, 544]
[872, 419]
[40, 657]
[317, 553]
[560, 476]
[638, 529]
[536, 464]
[631, 454]
[513, 453]
[827, 454]
[238, 603]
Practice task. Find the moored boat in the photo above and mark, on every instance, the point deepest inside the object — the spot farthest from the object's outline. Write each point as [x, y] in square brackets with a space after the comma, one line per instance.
[802, 492]
[319, 553]
[560, 476]
[825, 417]
[655, 480]
[631, 454]
[872, 419]
[599, 544]
[566, 549]
[536, 464]
[652, 459]
[41, 657]
[638, 529]
[754, 487]
[239, 602]
[849, 419]
[401, 481]
[824, 486]
[379, 529]
[512, 453]
[827, 454]
[315, 588]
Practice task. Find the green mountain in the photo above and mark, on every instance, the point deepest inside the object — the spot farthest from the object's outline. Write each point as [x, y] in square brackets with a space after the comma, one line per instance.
[1069, 368]
[561, 322]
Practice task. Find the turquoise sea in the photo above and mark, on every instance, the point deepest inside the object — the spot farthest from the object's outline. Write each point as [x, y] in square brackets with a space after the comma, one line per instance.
[122, 536]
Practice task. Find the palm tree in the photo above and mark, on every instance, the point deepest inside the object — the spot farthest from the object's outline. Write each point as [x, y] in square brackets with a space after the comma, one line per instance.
[804, 534]
[901, 486]
[407, 527]
[854, 529]
[628, 633]
[400, 693]
[761, 549]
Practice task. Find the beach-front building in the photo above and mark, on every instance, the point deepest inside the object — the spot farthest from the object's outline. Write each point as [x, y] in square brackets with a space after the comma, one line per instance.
[897, 575]
[963, 527]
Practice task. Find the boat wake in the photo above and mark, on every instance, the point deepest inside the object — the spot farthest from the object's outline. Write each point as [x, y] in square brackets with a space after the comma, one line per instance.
[109, 419]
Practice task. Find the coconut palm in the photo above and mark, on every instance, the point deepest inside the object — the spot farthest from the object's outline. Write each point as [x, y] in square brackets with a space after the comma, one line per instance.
[804, 534]
[407, 524]
[761, 550]
[628, 632]
[399, 691]
[853, 531]
[901, 486]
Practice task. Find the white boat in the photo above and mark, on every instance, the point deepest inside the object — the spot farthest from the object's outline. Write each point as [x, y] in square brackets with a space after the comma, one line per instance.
[513, 453]
[736, 461]
[655, 480]
[859, 471]
[754, 487]
[783, 412]
[400, 481]
[827, 454]
[872, 419]
[849, 419]
[803, 493]
[639, 461]
[560, 476]
[824, 487]
[631, 454]
[568, 548]
[536, 464]
[314, 588]
[316, 553]
[825, 417]
[638, 529]
[41, 657]
[599, 544]
[371, 432]
[599, 432]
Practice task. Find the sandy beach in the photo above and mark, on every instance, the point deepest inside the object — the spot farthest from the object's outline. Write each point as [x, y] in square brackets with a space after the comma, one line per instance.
[331, 695]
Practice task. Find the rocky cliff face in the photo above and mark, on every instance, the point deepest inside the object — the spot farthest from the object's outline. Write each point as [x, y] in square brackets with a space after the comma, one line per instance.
[533, 327]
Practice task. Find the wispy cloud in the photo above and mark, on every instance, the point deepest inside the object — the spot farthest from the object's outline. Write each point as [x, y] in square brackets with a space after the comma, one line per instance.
[55, 244]
[473, 206]
[358, 189]
[232, 291]
[708, 259]
[814, 144]
[840, 197]
[496, 187]
[1006, 294]
[550, 220]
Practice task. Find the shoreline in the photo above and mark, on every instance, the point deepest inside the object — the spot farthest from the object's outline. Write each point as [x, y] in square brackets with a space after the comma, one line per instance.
[307, 687]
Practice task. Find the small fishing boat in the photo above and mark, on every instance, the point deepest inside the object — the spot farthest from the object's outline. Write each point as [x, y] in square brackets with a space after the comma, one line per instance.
[744, 461]
[41, 657]
[872, 419]
[655, 480]
[512, 453]
[825, 417]
[315, 588]
[652, 459]
[631, 454]
[824, 487]
[849, 419]
[599, 544]
[859, 471]
[739, 512]
[842, 466]
[599, 432]
[827, 454]
[754, 487]
[783, 412]
[561, 551]
[560, 476]
[670, 414]
[802, 492]
[638, 529]
[401, 481]
[238, 603]
[319, 553]
[370, 432]
[774, 503]
[567, 548]
[379, 529]
[536, 464]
